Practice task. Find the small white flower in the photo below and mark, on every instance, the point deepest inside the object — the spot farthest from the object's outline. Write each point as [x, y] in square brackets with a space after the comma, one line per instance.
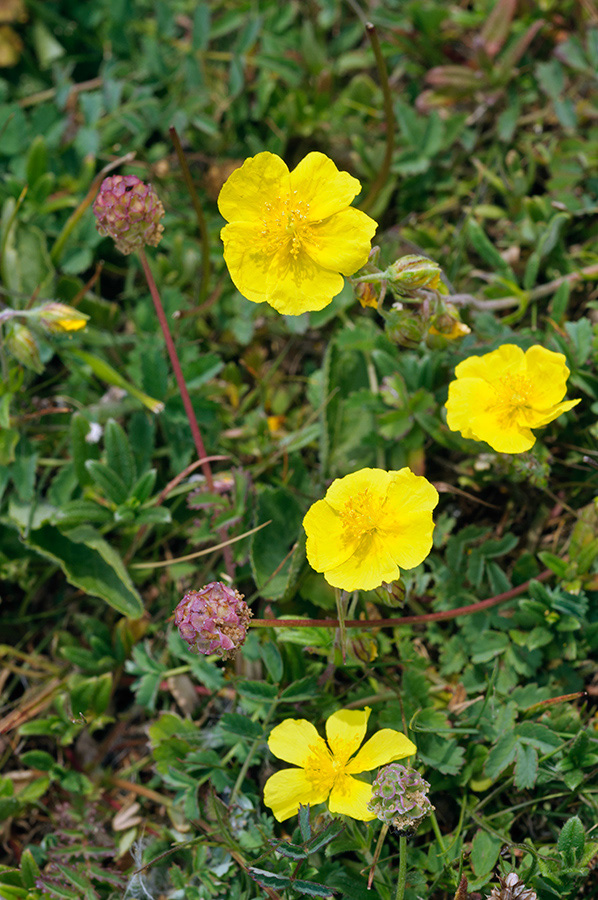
[95, 433]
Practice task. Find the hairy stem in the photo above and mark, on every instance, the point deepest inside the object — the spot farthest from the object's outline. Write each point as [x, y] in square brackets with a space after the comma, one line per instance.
[388, 116]
[402, 868]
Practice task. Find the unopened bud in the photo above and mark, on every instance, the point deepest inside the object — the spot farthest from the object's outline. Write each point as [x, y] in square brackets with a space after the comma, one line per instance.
[213, 620]
[129, 211]
[58, 318]
[405, 327]
[446, 327]
[399, 797]
[367, 294]
[21, 344]
[410, 273]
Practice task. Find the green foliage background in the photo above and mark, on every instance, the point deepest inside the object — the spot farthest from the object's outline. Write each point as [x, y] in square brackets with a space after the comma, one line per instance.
[105, 711]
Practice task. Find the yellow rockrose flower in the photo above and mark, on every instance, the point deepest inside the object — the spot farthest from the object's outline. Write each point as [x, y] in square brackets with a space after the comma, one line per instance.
[292, 235]
[500, 396]
[326, 769]
[368, 524]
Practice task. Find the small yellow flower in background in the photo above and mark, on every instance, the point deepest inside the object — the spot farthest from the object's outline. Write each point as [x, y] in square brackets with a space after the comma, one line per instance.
[58, 318]
[292, 235]
[500, 396]
[326, 769]
[370, 523]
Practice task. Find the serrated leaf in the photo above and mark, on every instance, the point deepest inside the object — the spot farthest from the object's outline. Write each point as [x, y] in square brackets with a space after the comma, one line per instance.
[304, 822]
[286, 848]
[526, 766]
[501, 755]
[303, 689]
[272, 660]
[312, 889]
[119, 456]
[243, 726]
[269, 879]
[332, 831]
[257, 690]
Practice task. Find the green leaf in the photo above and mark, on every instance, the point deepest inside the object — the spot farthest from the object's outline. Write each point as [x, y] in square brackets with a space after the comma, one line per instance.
[81, 450]
[312, 889]
[526, 766]
[257, 690]
[110, 483]
[303, 689]
[38, 759]
[571, 841]
[484, 852]
[501, 755]
[119, 455]
[332, 831]
[269, 879]
[29, 869]
[144, 485]
[286, 848]
[89, 563]
[107, 373]
[486, 249]
[304, 823]
[272, 544]
[243, 726]
[272, 660]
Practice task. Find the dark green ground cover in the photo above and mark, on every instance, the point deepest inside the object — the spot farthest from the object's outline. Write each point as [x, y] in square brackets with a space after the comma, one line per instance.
[121, 750]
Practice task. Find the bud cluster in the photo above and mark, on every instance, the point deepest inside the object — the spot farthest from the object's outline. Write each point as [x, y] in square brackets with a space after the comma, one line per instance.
[213, 620]
[399, 797]
[129, 211]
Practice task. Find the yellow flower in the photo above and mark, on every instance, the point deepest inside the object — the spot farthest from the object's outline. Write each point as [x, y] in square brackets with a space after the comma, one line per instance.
[292, 235]
[370, 523]
[326, 769]
[500, 396]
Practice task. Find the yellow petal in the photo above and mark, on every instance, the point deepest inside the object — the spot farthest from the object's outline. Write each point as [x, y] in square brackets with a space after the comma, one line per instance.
[342, 242]
[366, 569]
[406, 524]
[326, 547]
[260, 179]
[382, 748]
[285, 790]
[508, 358]
[537, 418]
[375, 481]
[345, 730]
[318, 182]
[504, 436]
[294, 741]
[350, 797]
[291, 285]
[465, 397]
[548, 373]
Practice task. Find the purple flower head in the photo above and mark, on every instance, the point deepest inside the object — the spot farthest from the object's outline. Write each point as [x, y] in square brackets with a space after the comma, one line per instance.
[399, 797]
[129, 211]
[213, 620]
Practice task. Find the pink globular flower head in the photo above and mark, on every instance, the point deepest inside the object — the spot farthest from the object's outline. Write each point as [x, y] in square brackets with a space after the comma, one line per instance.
[129, 211]
[399, 797]
[213, 620]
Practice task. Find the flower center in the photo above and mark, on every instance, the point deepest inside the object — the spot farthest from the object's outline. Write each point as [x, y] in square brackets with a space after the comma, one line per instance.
[285, 225]
[513, 393]
[360, 515]
[321, 769]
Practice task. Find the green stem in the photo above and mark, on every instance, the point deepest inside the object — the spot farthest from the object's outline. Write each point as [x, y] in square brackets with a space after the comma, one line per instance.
[436, 831]
[389, 117]
[249, 757]
[340, 611]
[402, 868]
[201, 221]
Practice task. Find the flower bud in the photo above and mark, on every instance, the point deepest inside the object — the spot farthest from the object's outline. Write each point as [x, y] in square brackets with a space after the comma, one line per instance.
[405, 327]
[129, 211]
[409, 273]
[21, 343]
[58, 318]
[511, 888]
[213, 620]
[446, 327]
[399, 797]
[367, 294]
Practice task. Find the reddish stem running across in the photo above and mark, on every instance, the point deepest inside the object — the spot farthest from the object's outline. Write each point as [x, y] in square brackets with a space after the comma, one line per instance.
[403, 620]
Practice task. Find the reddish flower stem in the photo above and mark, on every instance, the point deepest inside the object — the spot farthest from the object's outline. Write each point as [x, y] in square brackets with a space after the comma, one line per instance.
[180, 379]
[403, 620]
